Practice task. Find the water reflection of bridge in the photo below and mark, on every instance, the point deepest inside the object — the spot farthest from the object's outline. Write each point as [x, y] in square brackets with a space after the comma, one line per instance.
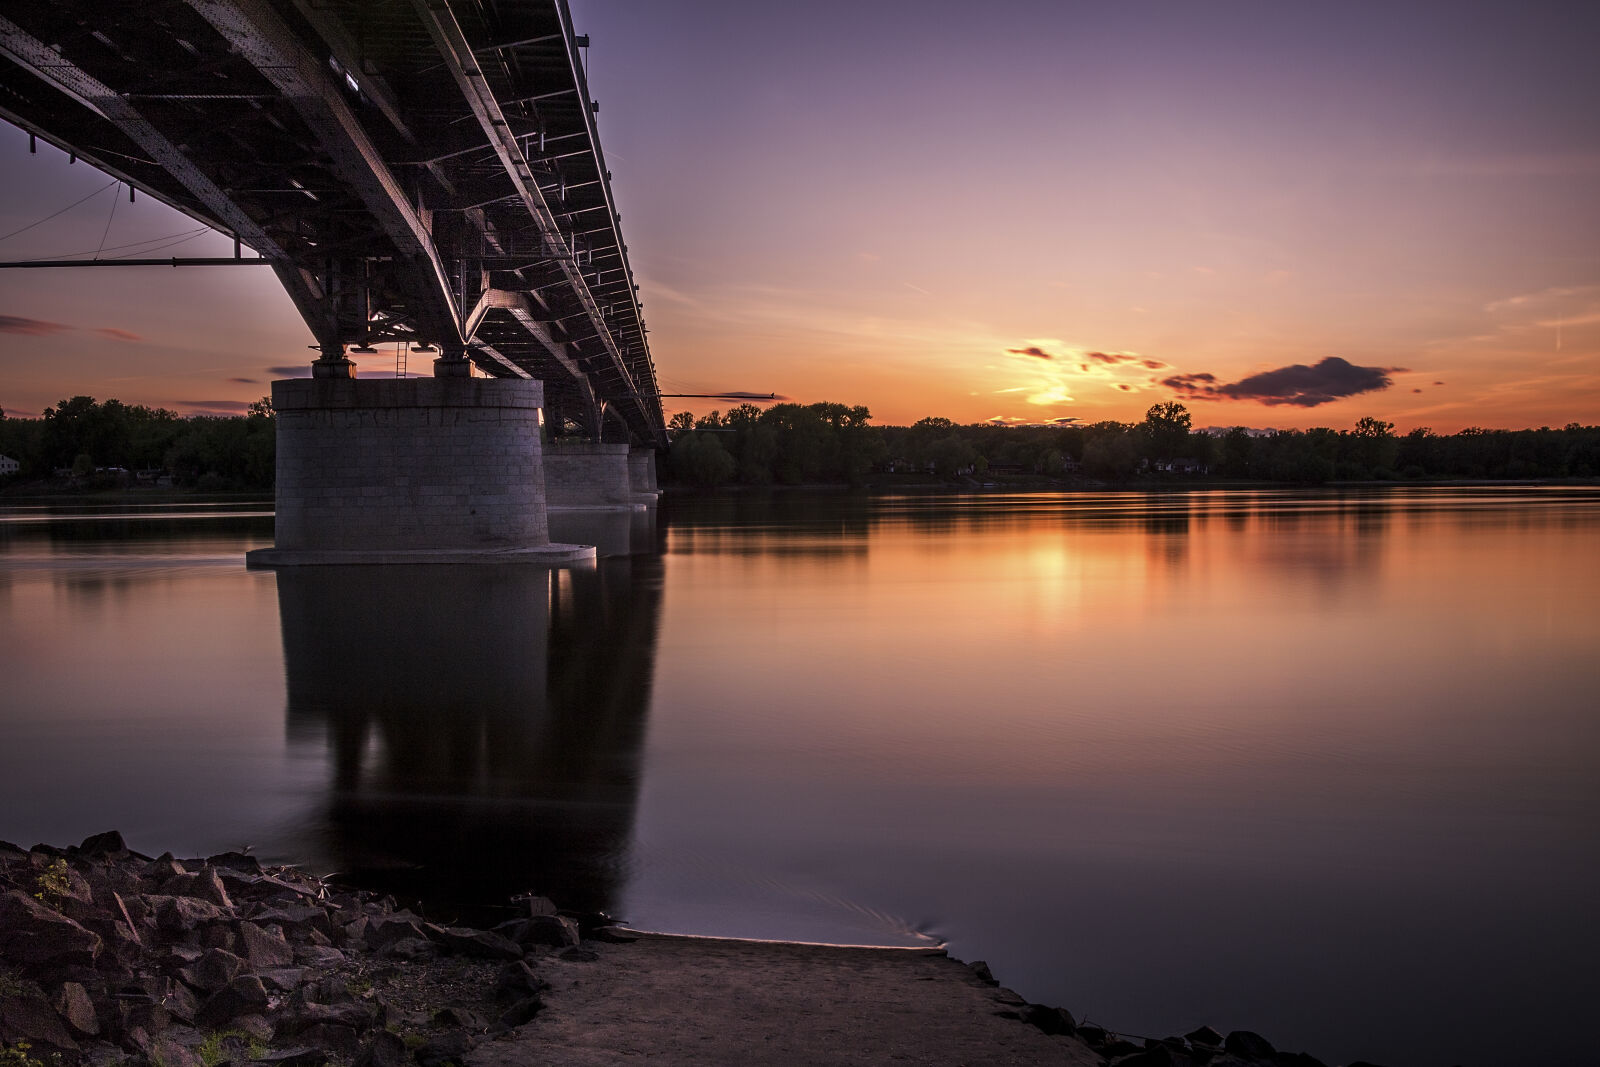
[483, 724]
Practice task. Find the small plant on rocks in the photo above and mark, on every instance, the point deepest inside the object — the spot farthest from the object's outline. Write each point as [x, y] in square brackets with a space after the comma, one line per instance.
[53, 883]
[18, 1056]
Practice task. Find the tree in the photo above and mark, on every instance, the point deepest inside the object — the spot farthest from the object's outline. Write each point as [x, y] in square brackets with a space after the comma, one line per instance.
[1166, 430]
[681, 422]
[700, 459]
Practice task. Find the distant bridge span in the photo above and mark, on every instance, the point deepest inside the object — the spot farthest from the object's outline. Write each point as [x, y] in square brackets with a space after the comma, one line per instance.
[417, 171]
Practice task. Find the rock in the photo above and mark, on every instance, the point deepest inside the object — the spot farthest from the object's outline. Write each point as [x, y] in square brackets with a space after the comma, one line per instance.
[356, 929]
[214, 969]
[318, 956]
[178, 1000]
[203, 885]
[555, 930]
[447, 1048]
[182, 917]
[1296, 1059]
[245, 995]
[294, 1057]
[106, 846]
[614, 935]
[522, 1012]
[1248, 1045]
[458, 1018]
[235, 861]
[282, 979]
[31, 933]
[264, 950]
[1205, 1036]
[983, 973]
[170, 1053]
[383, 1049]
[144, 1015]
[478, 944]
[354, 1015]
[538, 906]
[386, 930]
[1158, 1055]
[341, 1041]
[580, 955]
[31, 1019]
[1094, 1035]
[256, 1027]
[1050, 1020]
[76, 1009]
[163, 869]
[517, 980]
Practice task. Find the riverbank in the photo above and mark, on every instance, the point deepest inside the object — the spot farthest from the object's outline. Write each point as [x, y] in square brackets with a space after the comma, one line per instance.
[111, 957]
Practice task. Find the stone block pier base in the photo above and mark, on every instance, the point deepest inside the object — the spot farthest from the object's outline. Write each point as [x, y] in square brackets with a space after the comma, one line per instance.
[410, 470]
[586, 475]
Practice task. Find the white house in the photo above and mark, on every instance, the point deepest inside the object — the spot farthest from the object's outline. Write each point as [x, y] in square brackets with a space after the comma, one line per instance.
[8, 466]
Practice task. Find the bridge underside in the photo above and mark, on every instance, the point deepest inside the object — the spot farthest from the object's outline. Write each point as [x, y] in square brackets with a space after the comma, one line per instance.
[418, 172]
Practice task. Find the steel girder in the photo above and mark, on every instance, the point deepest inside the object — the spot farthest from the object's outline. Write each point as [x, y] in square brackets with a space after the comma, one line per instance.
[415, 171]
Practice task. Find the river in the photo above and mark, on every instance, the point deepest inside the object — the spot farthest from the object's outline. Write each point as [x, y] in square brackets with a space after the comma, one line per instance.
[1324, 765]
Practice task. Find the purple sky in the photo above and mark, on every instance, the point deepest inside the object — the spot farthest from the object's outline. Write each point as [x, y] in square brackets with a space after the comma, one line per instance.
[892, 204]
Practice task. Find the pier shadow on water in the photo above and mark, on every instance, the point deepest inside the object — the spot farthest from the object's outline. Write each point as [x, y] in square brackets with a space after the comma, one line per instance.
[483, 725]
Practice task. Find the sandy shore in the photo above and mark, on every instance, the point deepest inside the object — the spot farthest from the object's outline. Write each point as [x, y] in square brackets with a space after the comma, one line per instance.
[686, 1000]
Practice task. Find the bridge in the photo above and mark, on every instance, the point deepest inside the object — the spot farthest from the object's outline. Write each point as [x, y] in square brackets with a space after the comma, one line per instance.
[422, 172]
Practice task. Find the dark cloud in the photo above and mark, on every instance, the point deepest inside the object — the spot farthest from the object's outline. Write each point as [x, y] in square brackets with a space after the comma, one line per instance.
[1438, 383]
[298, 370]
[214, 407]
[1299, 385]
[1065, 420]
[1110, 357]
[245, 381]
[1032, 350]
[751, 396]
[30, 327]
[1125, 387]
[116, 334]
[1152, 364]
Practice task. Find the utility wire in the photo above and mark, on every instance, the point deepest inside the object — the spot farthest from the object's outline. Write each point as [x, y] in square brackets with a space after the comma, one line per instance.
[47, 218]
[184, 235]
[179, 239]
[107, 231]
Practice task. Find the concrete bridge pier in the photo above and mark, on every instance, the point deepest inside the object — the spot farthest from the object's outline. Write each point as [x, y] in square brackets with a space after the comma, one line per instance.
[642, 475]
[589, 475]
[411, 470]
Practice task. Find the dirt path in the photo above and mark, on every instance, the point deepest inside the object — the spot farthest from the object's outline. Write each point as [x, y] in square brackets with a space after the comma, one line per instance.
[682, 1000]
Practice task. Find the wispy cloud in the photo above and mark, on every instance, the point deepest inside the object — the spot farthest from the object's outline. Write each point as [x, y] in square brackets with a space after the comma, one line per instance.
[117, 335]
[295, 370]
[1032, 350]
[30, 327]
[245, 381]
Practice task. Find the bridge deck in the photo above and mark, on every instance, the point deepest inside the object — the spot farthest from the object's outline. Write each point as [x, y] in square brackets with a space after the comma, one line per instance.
[416, 170]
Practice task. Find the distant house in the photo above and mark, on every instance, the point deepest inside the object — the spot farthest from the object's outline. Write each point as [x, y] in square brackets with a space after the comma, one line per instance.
[8, 466]
[1181, 466]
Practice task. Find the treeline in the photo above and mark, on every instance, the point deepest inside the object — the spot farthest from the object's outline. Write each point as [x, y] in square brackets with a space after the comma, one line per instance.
[93, 444]
[791, 444]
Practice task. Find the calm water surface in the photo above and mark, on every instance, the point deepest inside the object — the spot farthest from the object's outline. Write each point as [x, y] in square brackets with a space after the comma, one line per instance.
[1320, 765]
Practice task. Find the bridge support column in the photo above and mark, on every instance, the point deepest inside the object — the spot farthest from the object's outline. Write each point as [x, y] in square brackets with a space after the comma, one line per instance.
[410, 470]
[586, 475]
[642, 475]
[333, 363]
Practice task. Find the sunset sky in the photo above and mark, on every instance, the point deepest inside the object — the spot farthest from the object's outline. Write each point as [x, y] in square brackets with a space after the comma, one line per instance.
[1281, 214]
